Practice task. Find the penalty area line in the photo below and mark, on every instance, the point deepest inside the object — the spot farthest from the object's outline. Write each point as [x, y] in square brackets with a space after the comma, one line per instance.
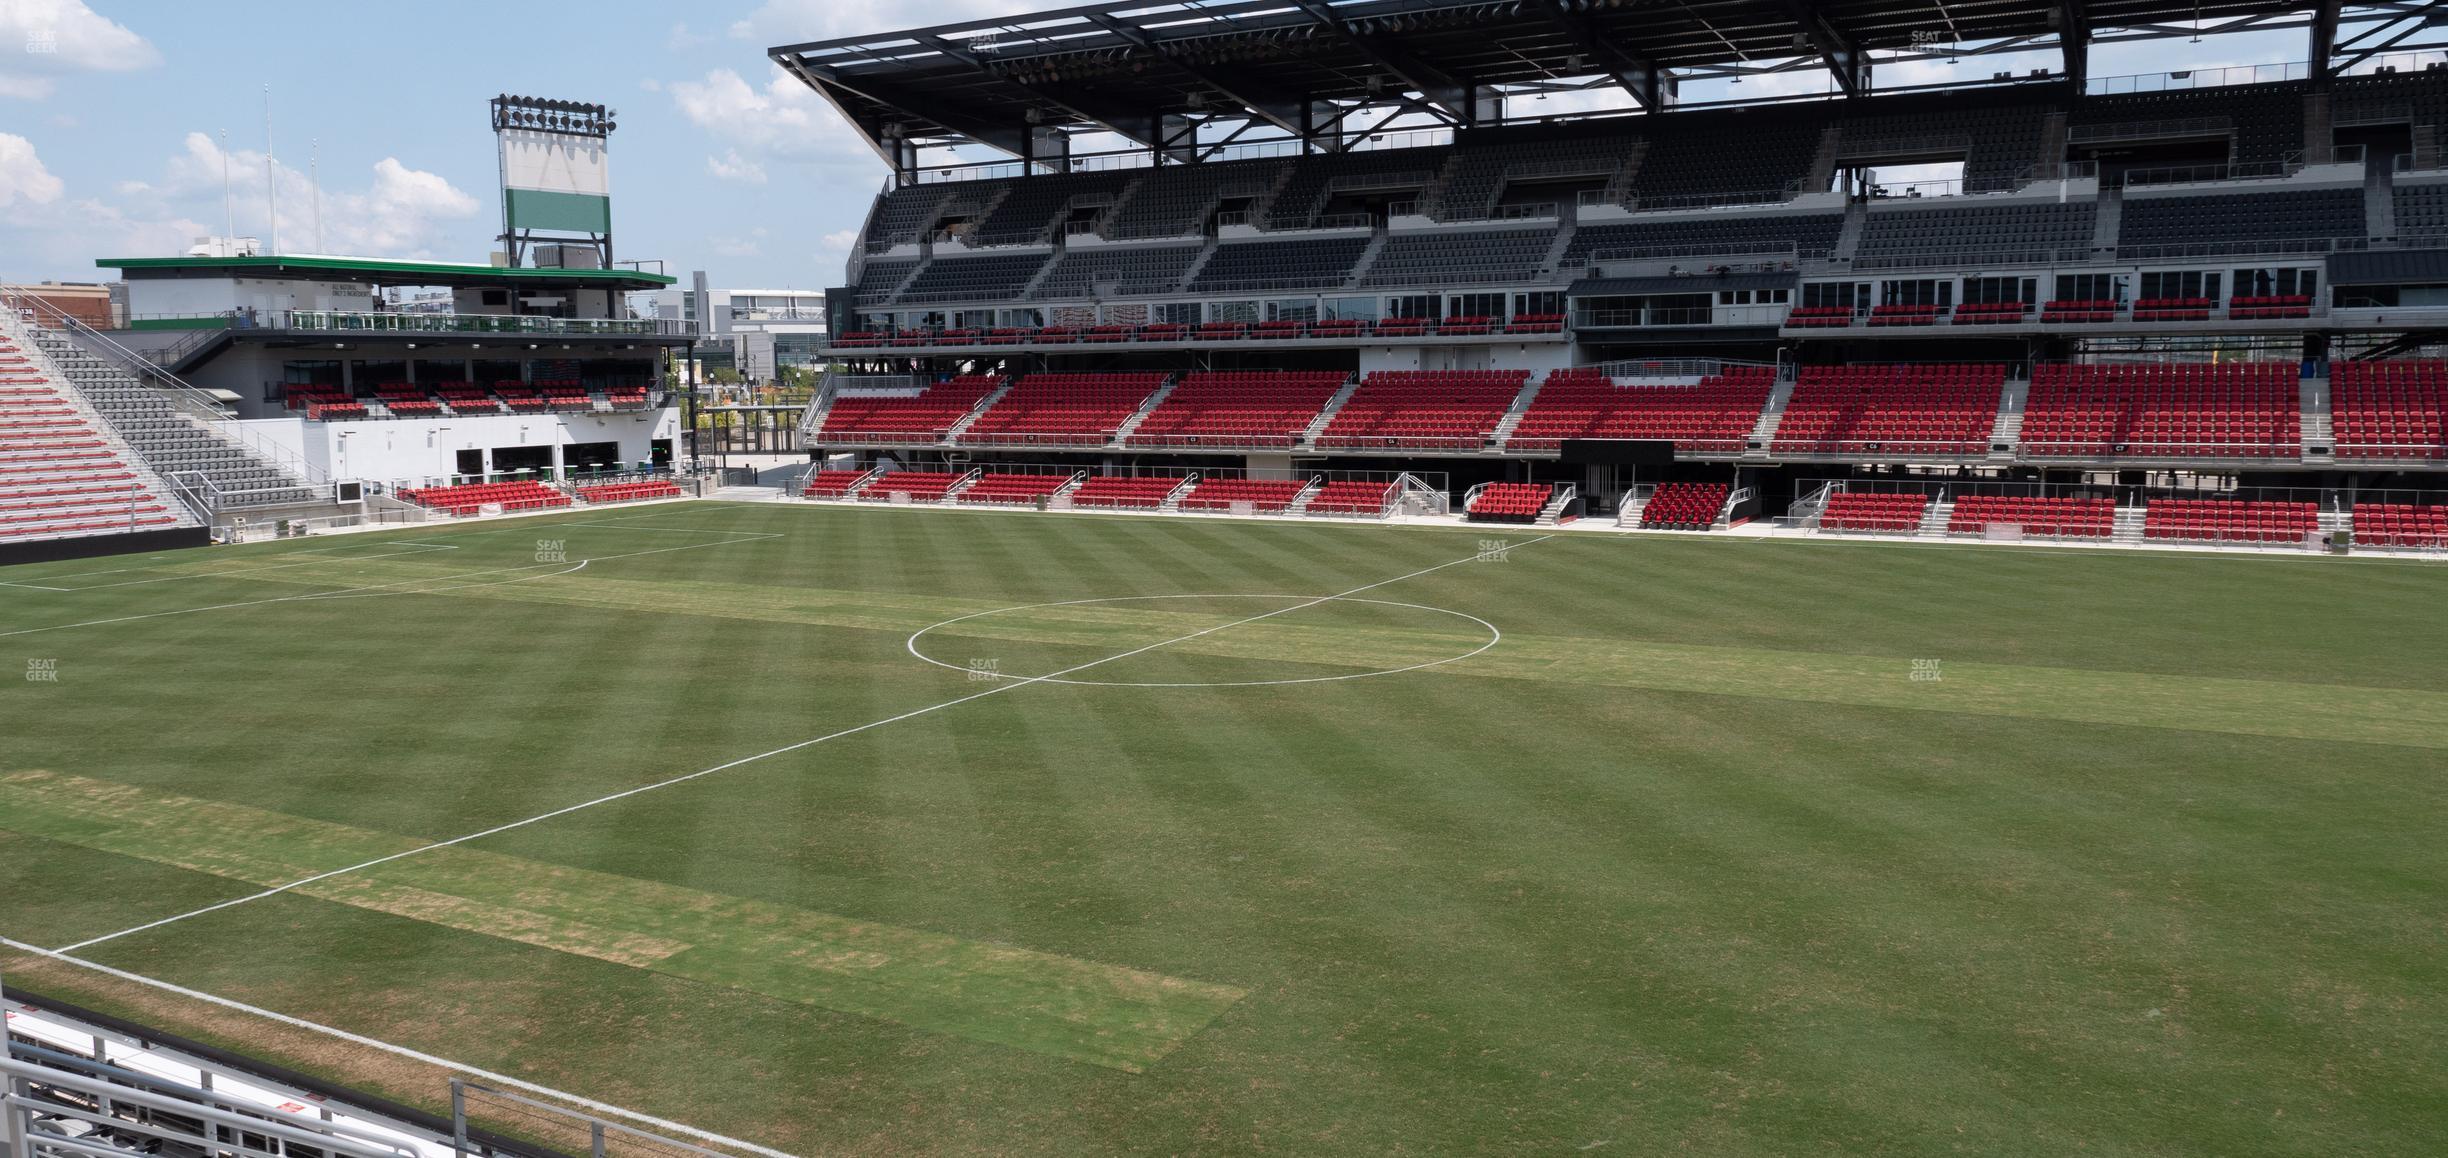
[998, 689]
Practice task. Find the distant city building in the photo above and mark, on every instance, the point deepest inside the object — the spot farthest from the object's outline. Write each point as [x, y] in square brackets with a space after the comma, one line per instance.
[762, 329]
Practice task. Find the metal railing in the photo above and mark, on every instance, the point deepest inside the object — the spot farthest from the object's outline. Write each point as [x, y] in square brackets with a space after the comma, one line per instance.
[203, 408]
[402, 322]
[2148, 130]
[1718, 200]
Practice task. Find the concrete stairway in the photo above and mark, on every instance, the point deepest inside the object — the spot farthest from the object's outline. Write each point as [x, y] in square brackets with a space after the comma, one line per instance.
[1764, 431]
[1367, 260]
[2110, 222]
[1934, 520]
[1553, 513]
[1513, 414]
[1309, 435]
[966, 420]
[2007, 431]
[2127, 527]
[2319, 431]
[1300, 502]
[1123, 432]
[2379, 202]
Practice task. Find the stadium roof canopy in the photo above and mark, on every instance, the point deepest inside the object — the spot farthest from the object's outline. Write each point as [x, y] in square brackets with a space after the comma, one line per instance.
[1311, 69]
[385, 271]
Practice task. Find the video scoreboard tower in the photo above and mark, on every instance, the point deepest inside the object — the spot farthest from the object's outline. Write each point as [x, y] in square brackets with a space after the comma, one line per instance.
[556, 179]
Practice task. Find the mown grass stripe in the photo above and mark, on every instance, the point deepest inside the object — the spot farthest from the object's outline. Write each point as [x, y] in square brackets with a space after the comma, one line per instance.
[1081, 1010]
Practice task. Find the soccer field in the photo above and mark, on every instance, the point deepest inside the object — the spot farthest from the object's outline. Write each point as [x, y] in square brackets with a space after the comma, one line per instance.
[886, 831]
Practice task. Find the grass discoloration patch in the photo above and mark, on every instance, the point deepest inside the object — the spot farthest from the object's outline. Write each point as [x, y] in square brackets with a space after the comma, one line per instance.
[1082, 1010]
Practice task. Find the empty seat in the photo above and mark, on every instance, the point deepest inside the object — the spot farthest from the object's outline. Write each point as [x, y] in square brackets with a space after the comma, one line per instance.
[1862, 511]
[1684, 506]
[1424, 409]
[2066, 518]
[1713, 416]
[1253, 408]
[1892, 410]
[1508, 502]
[2250, 410]
[2230, 520]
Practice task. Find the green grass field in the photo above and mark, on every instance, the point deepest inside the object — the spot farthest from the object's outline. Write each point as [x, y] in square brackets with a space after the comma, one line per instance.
[1696, 857]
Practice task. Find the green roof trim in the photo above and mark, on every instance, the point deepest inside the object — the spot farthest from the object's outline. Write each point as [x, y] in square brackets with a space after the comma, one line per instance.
[396, 272]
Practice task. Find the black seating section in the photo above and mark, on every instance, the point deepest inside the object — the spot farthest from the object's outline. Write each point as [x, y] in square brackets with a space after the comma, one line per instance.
[2002, 133]
[2285, 219]
[1689, 158]
[878, 278]
[984, 278]
[1296, 207]
[1718, 234]
[1130, 269]
[1311, 263]
[1476, 180]
[2267, 120]
[2016, 230]
[903, 215]
[2422, 210]
[1174, 201]
[1460, 256]
[1027, 215]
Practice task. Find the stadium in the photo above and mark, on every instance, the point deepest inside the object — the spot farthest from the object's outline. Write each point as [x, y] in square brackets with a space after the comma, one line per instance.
[1321, 576]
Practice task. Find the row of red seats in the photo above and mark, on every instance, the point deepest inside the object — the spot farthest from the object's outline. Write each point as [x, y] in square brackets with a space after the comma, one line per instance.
[1912, 315]
[58, 473]
[1352, 497]
[2401, 525]
[1204, 331]
[1716, 415]
[2230, 520]
[922, 486]
[1063, 409]
[2392, 409]
[1264, 495]
[1424, 409]
[1908, 409]
[1684, 506]
[1260, 408]
[625, 492]
[1011, 489]
[2197, 409]
[926, 416]
[1991, 313]
[2085, 518]
[1125, 492]
[832, 484]
[469, 498]
[1508, 502]
[1864, 511]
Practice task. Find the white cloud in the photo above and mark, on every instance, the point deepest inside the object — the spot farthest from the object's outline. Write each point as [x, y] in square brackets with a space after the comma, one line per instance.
[733, 167]
[45, 38]
[23, 177]
[794, 21]
[838, 241]
[752, 245]
[403, 212]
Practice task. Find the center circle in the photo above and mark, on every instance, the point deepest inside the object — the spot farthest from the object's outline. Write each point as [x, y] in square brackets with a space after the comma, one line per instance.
[1294, 604]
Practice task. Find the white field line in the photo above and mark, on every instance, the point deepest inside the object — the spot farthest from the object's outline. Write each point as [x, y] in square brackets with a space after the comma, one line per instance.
[400, 1050]
[624, 794]
[386, 588]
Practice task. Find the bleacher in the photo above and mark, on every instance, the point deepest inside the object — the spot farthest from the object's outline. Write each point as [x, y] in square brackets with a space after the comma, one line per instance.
[1125, 492]
[1460, 257]
[982, 278]
[1424, 409]
[1005, 489]
[2249, 410]
[2230, 520]
[1265, 496]
[1174, 201]
[929, 415]
[1866, 511]
[2283, 220]
[1713, 416]
[1028, 213]
[60, 475]
[2264, 122]
[2389, 410]
[464, 499]
[1734, 155]
[1894, 235]
[1051, 409]
[1508, 502]
[2422, 210]
[919, 486]
[1684, 506]
[1715, 234]
[629, 492]
[1322, 262]
[1253, 408]
[1119, 270]
[2401, 525]
[1886, 410]
[1351, 497]
[831, 484]
[2064, 518]
[1308, 189]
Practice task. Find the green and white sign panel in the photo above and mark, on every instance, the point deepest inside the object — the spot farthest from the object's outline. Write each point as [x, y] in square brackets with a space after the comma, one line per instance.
[555, 182]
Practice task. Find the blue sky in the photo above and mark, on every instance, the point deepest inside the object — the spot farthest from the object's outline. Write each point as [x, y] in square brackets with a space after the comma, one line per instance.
[111, 117]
